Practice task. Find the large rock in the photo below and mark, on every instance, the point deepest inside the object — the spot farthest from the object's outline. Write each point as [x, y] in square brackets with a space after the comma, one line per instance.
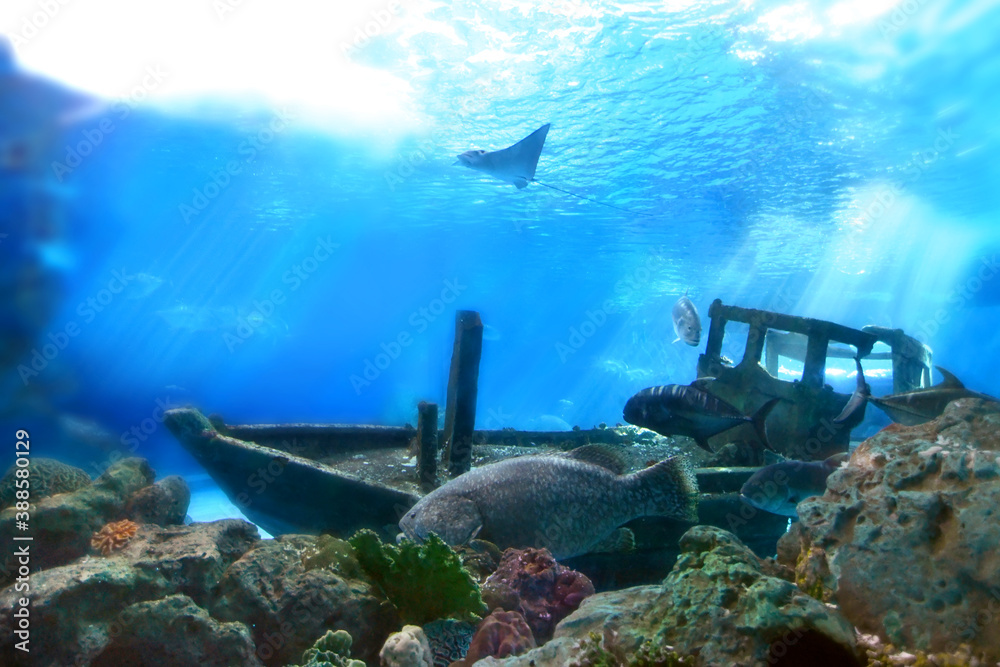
[193, 558]
[720, 603]
[175, 631]
[905, 538]
[63, 524]
[288, 606]
[164, 503]
[77, 609]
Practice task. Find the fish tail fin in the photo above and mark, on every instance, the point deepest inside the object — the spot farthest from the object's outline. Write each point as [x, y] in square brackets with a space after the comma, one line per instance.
[759, 418]
[669, 488]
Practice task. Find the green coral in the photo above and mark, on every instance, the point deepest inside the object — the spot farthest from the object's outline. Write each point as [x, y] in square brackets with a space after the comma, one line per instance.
[333, 649]
[335, 554]
[424, 581]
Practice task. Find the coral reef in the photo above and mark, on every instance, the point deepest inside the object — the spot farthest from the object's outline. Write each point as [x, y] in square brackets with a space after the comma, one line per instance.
[407, 648]
[63, 524]
[720, 605]
[532, 582]
[499, 635]
[175, 631]
[114, 536]
[47, 477]
[905, 538]
[425, 582]
[449, 640]
[288, 605]
[164, 503]
[333, 649]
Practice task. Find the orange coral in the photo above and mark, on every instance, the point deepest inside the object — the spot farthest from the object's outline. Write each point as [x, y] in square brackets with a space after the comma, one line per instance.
[114, 536]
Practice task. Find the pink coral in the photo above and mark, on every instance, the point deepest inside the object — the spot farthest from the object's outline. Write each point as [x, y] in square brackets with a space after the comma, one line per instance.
[544, 591]
[500, 635]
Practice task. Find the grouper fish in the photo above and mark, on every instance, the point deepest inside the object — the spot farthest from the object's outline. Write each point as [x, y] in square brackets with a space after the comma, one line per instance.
[570, 504]
[689, 410]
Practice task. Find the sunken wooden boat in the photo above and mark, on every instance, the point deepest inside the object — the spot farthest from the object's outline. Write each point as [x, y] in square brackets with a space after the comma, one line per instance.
[337, 479]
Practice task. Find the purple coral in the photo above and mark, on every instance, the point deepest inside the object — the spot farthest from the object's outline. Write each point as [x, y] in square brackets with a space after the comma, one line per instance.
[545, 591]
[501, 634]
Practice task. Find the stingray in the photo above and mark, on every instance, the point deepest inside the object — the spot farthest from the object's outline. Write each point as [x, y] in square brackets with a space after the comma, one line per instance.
[516, 164]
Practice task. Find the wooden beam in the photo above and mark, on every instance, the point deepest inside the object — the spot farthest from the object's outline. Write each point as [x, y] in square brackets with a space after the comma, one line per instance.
[463, 382]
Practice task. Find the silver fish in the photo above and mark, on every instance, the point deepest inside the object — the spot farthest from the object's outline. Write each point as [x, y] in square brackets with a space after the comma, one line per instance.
[779, 487]
[569, 504]
[922, 405]
[687, 324]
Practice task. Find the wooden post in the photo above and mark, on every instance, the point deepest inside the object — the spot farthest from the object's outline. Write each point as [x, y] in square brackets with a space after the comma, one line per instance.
[427, 439]
[463, 381]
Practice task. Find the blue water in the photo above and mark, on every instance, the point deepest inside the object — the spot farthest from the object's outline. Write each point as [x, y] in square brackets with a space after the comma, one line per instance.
[769, 157]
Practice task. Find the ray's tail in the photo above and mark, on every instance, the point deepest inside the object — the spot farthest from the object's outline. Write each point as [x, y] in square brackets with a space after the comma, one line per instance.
[590, 199]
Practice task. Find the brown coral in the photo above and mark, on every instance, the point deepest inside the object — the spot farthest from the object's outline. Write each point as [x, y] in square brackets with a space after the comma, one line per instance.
[114, 536]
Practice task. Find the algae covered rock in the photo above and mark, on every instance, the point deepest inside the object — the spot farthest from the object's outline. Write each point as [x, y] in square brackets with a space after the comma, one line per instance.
[80, 607]
[176, 631]
[47, 477]
[164, 503]
[287, 605]
[333, 649]
[905, 538]
[425, 582]
[62, 525]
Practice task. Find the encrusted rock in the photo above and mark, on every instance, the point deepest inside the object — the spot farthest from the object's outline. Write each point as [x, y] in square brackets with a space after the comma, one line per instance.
[407, 648]
[78, 608]
[164, 503]
[62, 525]
[905, 538]
[176, 631]
[287, 606]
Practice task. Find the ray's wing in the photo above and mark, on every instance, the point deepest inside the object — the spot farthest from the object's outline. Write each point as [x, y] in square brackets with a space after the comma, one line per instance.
[517, 163]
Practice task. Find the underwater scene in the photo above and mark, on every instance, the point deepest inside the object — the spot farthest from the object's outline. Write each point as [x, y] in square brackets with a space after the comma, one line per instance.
[415, 333]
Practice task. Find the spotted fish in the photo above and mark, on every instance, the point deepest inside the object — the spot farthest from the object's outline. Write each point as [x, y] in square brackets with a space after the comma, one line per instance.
[569, 504]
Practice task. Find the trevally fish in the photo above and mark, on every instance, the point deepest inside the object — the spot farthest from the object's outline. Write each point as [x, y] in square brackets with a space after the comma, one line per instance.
[570, 504]
[676, 409]
[687, 324]
[777, 488]
[854, 410]
[919, 406]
